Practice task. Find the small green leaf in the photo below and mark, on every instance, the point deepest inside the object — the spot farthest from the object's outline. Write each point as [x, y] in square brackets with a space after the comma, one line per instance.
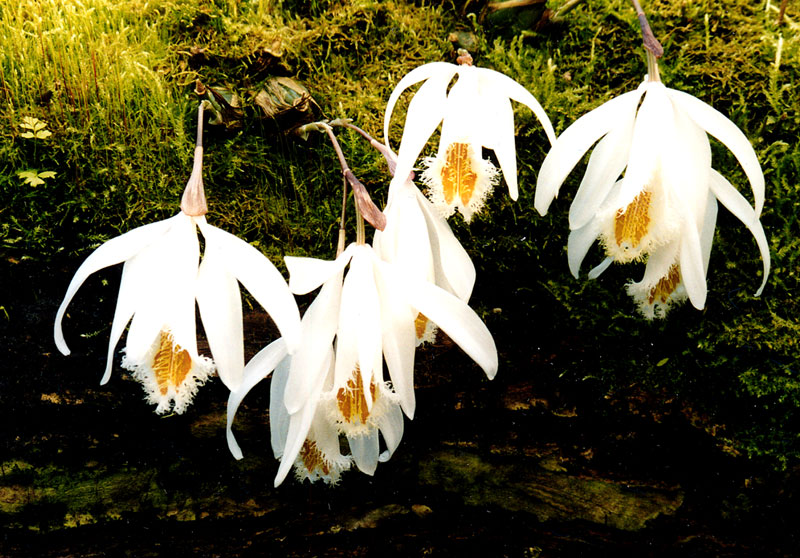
[47, 174]
[33, 178]
[662, 362]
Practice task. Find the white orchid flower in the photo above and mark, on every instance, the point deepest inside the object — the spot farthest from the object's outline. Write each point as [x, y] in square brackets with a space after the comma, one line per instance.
[659, 209]
[370, 313]
[476, 112]
[161, 279]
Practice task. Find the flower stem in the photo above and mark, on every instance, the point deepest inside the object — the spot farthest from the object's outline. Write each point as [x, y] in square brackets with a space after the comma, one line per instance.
[650, 42]
[193, 201]
[341, 241]
[364, 203]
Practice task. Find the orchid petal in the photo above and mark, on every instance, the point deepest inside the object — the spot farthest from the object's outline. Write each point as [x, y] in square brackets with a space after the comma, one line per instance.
[364, 448]
[306, 274]
[220, 306]
[391, 426]
[575, 141]
[518, 93]
[607, 161]
[456, 319]
[691, 262]
[114, 251]
[578, 244]
[736, 203]
[425, 112]
[719, 126]
[260, 277]
[259, 367]
[318, 329]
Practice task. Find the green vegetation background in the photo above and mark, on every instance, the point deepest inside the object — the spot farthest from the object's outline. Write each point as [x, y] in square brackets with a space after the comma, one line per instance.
[114, 83]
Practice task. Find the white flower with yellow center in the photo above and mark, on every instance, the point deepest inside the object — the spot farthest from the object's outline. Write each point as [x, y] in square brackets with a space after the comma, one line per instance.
[475, 113]
[161, 279]
[370, 314]
[660, 209]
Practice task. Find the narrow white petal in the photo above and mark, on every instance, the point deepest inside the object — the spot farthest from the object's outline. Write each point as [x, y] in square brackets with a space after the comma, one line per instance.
[707, 230]
[414, 76]
[575, 141]
[598, 270]
[518, 93]
[259, 367]
[114, 251]
[606, 163]
[260, 277]
[497, 133]
[306, 274]
[578, 244]
[455, 318]
[317, 331]
[454, 270]
[300, 424]
[391, 425]
[134, 275]
[278, 416]
[425, 112]
[691, 261]
[399, 340]
[741, 209]
[220, 306]
[719, 126]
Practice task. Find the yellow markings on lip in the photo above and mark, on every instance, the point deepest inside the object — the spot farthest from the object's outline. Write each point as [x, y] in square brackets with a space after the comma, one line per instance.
[420, 325]
[312, 458]
[665, 286]
[352, 401]
[171, 364]
[458, 176]
[632, 224]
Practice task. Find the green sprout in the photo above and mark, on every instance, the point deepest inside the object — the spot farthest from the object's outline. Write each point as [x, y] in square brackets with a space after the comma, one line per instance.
[35, 178]
[37, 128]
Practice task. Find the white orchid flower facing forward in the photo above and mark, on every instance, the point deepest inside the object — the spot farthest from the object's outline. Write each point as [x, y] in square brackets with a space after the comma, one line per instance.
[162, 278]
[659, 210]
[475, 113]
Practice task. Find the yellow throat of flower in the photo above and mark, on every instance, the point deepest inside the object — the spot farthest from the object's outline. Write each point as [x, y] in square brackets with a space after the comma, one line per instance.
[171, 364]
[313, 460]
[632, 224]
[458, 175]
[352, 401]
[666, 286]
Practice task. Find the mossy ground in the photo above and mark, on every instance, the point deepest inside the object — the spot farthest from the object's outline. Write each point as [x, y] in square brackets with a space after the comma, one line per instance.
[114, 82]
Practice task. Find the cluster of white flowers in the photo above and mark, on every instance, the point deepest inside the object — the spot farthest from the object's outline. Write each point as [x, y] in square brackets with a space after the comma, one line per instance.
[345, 371]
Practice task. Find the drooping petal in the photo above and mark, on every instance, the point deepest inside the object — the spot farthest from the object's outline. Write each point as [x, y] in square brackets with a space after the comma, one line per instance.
[259, 367]
[707, 230]
[455, 318]
[318, 329]
[719, 126]
[399, 340]
[425, 112]
[391, 426]
[415, 76]
[259, 276]
[299, 422]
[578, 244]
[306, 274]
[359, 320]
[575, 141]
[169, 306]
[691, 261]
[220, 306]
[607, 161]
[495, 131]
[114, 251]
[741, 209]
[518, 93]
[454, 270]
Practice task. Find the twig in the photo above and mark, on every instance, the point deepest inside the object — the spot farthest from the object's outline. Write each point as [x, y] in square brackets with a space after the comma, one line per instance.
[650, 41]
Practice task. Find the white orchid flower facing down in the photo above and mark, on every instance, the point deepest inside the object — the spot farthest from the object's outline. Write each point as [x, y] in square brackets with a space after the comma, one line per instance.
[475, 113]
[370, 314]
[661, 209]
[161, 279]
